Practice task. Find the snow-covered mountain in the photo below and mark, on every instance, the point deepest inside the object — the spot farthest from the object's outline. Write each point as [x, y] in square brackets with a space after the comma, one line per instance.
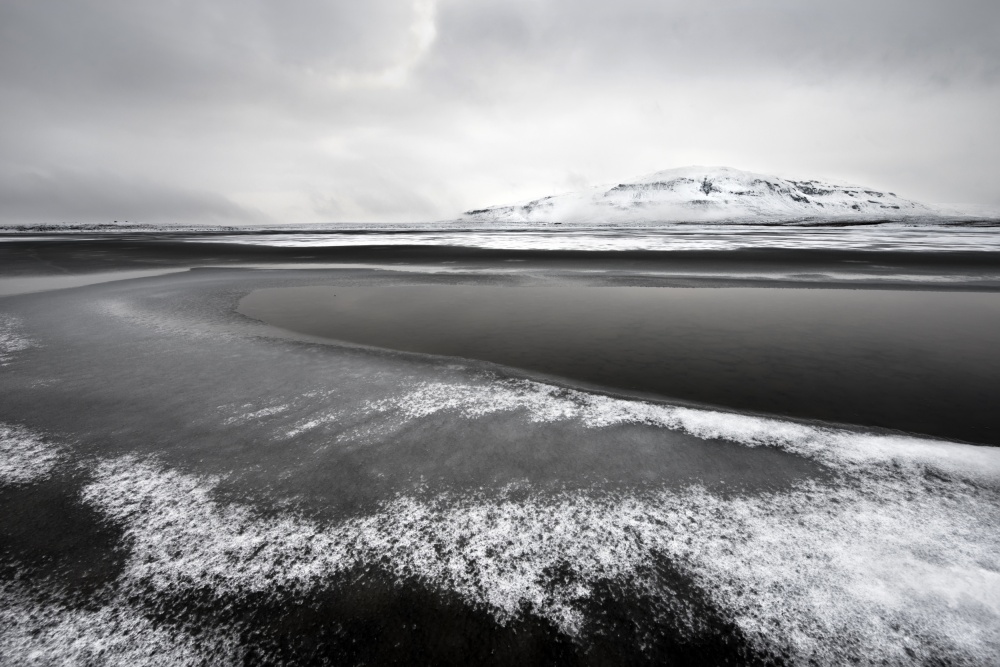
[709, 194]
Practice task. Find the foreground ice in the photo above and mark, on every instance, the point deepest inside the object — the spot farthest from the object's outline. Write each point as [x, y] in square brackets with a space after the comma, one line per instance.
[894, 559]
[24, 456]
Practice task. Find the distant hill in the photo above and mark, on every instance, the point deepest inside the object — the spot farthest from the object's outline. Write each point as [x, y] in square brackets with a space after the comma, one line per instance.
[710, 194]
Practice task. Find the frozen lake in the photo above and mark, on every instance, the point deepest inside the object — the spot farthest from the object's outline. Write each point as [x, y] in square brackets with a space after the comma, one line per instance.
[292, 455]
[918, 361]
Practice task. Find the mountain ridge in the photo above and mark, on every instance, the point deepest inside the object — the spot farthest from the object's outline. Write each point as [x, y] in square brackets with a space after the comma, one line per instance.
[709, 194]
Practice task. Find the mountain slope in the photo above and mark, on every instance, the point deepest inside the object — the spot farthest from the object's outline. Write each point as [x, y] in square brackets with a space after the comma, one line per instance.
[708, 194]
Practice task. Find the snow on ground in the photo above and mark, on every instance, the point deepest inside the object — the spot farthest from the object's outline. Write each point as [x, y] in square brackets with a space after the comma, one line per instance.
[25, 456]
[894, 561]
[835, 447]
[37, 632]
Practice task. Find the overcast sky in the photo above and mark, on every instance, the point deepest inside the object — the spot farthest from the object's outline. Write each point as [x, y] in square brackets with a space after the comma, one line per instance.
[229, 111]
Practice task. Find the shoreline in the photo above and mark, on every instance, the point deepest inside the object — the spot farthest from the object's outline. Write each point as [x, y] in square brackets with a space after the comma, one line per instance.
[934, 270]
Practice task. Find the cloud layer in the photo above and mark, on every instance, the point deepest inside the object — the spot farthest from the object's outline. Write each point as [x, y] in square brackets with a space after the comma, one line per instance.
[415, 109]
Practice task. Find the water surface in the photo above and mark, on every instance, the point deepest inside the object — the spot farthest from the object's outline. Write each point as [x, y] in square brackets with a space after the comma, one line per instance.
[922, 362]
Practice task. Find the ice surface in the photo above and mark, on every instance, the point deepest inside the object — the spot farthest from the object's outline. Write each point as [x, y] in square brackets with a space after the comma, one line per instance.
[836, 447]
[12, 338]
[892, 558]
[29, 284]
[895, 560]
[860, 572]
[25, 456]
[49, 633]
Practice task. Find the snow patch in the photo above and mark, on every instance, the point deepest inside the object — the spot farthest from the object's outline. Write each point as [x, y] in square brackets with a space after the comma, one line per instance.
[310, 424]
[882, 567]
[256, 415]
[25, 457]
[841, 448]
[47, 633]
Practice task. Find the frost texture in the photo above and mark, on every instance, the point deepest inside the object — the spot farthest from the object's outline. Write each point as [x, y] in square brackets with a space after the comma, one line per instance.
[24, 456]
[840, 448]
[887, 567]
[47, 633]
[894, 561]
[12, 338]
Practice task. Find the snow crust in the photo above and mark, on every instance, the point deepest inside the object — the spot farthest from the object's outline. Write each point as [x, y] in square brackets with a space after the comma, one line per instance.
[708, 194]
[799, 572]
[895, 561]
[840, 448]
[25, 456]
[116, 635]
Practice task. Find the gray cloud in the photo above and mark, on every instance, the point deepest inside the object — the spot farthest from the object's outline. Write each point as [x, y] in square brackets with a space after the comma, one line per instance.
[922, 40]
[400, 109]
[96, 197]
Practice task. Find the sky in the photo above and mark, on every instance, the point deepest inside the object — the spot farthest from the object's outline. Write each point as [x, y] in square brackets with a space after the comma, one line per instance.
[302, 111]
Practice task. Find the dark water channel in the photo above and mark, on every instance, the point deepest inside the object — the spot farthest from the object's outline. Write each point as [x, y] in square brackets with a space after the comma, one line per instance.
[922, 362]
